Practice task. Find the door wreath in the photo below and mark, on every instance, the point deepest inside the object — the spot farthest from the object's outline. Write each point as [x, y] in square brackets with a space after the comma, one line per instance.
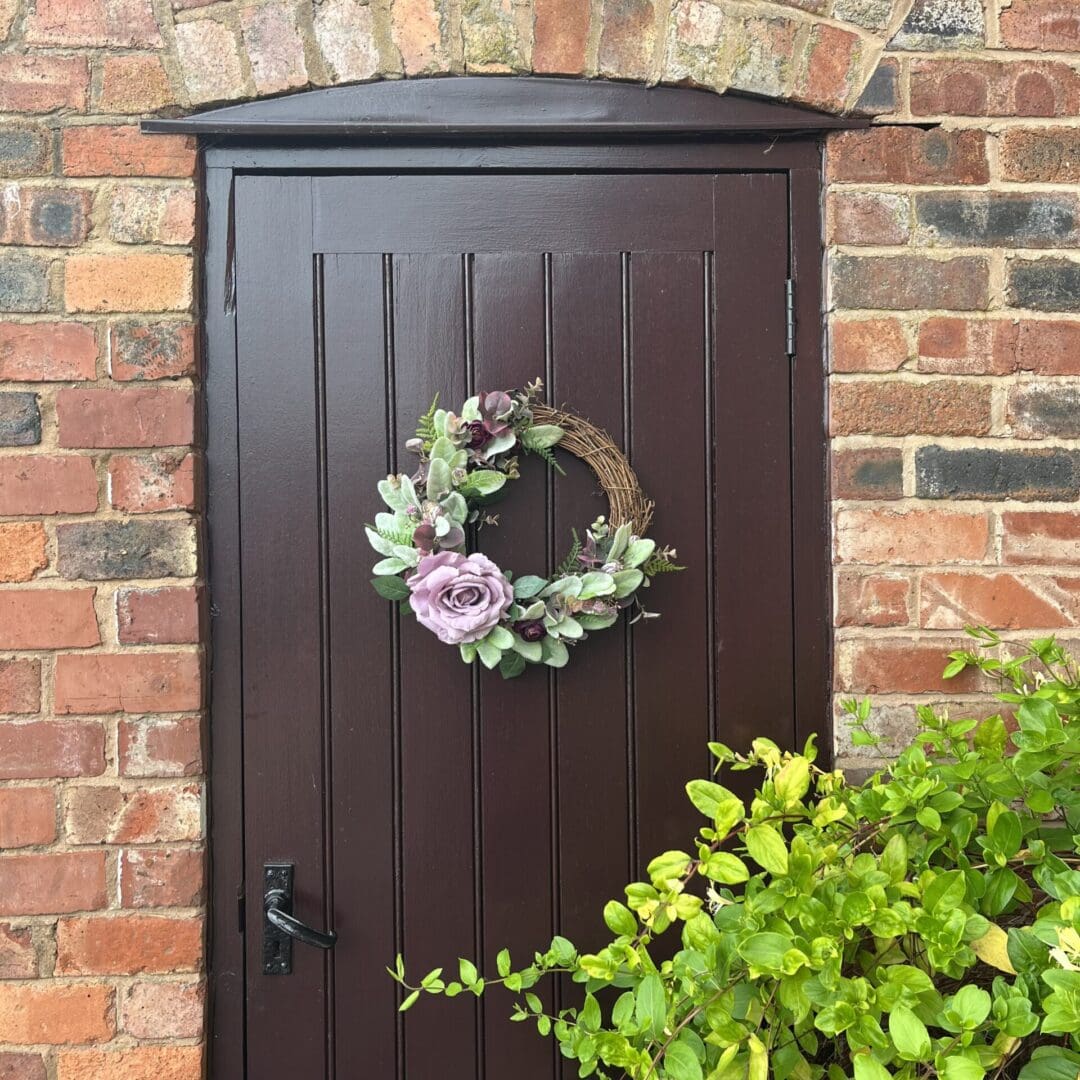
[462, 596]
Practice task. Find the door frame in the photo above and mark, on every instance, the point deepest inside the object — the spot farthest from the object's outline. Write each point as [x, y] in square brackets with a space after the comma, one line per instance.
[480, 124]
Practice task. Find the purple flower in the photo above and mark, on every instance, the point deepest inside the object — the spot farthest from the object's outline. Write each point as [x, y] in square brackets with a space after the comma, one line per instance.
[531, 629]
[479, 436]
[459, 597]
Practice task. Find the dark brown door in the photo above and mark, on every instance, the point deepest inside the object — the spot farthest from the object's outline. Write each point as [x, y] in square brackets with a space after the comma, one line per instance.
[434, 809]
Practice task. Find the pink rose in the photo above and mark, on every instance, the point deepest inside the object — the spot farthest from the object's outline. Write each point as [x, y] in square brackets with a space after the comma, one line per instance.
[459, 597]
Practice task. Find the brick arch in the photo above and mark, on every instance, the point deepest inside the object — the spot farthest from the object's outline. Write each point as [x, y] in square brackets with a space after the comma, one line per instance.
[820, 53]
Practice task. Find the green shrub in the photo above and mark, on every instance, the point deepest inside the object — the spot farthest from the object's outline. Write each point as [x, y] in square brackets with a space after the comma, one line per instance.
[924, 924]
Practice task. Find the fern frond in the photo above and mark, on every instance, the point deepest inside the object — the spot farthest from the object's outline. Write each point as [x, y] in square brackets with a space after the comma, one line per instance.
[545, 453]
[660, 563]
[425, 428]
[570, 564]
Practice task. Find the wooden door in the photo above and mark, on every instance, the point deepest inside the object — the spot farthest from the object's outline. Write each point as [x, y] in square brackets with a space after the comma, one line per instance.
[428, 807]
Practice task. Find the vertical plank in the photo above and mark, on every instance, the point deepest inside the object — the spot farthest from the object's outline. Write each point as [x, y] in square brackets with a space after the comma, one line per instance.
[436, 697]
[670, 445]
[282, 657]
[362, 675]
[508, 326]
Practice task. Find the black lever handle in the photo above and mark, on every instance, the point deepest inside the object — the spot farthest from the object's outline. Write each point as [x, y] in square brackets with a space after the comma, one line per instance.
[280, 927]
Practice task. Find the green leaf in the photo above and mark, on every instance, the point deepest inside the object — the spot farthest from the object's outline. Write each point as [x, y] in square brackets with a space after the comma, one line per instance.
[533, 651]
[528, 586]
[1051, 1063]
[726, 868]
[767, 848]
[650, 1005]
[502, 963]
[467, 972]
[637, 552]
[758, 1065]
[409, 1002]
[541, 436]
[390, 588]
[555, 653]
[955, 1067]
[970, 1005]
[619, 918]
[680, 1063]
[765, 950]
[483, 482]
[511, 665]
[868, 1067]
[929, 818]
[489, 654]
[627, 581]
[909, 1034]
[719, 805]
[792, 782]
[945, 892]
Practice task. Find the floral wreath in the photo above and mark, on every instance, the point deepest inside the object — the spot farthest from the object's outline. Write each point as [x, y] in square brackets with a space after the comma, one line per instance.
[464, 598]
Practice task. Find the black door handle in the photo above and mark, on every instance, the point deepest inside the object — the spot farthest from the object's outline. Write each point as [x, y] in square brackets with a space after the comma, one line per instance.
[280, 926]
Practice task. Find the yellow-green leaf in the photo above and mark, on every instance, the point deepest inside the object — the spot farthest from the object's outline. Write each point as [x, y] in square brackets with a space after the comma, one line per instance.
[767, 848]
[993, 949]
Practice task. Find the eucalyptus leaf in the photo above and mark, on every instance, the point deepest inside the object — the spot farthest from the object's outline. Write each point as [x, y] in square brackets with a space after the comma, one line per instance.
[527, 586]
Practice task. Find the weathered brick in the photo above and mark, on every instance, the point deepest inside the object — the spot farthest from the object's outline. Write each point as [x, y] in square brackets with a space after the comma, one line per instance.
[115, 550]
[931, 24]
[127, 23]
[275, 47]
[957, 346]
[868, 472]
[829, 68]
[22, 551]
[1050, 155]
[151, 350]
[127, 682]
[18, 960]
[46, 216]
[1044, 284]
[20, 419]
[167, 616]
[1049, 25]
[141, 282]
[1000, 601]
[898, 665]
[1040, 538]
[905, 155]
[133, 83]
[135, 417]
[905, 282]
[105, 150]
[489, 31]
[162, 877]
[869, 14]
[24, 150]
[27, 818]
[994, 88]
[911, 538]
[160, 747]
[1051, 475]
[133, 1063]
[209, 56]
[144, 815]
[694, 53]
[24, 283]
[881, 94]
[150, 482]
[42, 83]
[872, 599]
[20, 693]
[1040, 411]
[867, 345]
[869, 217]
[51, 885]
[152, 214]
[941, 407]
[1046, 347]
[764, 54]
[48, 619]
[127, 945]
[415, 30]
[56, 1013]
[998, 219]
[345, 32]
[628, 38]
[561, 36]
[47, 484]
[162, 1010]
[47, 352]
[51, 748]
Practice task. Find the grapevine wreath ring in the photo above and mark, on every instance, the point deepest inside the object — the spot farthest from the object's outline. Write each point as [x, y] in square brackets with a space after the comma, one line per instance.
[466, 460]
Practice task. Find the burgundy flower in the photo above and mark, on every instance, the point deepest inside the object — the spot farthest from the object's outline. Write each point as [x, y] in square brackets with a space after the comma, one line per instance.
[531, 629]
[479, 436]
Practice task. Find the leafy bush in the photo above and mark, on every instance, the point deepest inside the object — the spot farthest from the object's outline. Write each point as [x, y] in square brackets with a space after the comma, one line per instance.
[923, 924]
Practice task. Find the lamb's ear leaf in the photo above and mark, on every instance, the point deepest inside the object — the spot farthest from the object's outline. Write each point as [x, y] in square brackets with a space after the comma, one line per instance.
[390, 588]
[541, 436]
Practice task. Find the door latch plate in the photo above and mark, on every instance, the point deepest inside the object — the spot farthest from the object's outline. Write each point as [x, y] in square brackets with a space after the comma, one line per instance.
[277, 946]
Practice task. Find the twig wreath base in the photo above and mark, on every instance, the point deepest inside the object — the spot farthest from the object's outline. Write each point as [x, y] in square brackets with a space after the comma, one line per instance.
[465, 461]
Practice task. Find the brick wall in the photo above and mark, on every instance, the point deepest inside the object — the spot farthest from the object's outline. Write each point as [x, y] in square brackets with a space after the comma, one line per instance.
[955, 351]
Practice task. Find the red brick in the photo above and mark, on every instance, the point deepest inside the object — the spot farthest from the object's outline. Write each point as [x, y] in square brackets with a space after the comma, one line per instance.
[1044, 347]
[54, 1013]
[151, 350]
[41, 84]
[909, 282]
[150, 482]
[125, 682]
[140, 282]
[829, 67]
[162, 1010]
[133, 83]
[47, 352]
[1037, 538]
[51, 748]
[867, 345]
[1049, 25]
[1050, 155]
[128, 945]
[139, 416]
[872, 599]
[168, 616]
[414, 26]
[868, 472]
[125, 23]
[27, 817]
[134, 1063]
[103, 150]
[145, 815]
[22, 551]
[994, 88]
[899, 666]
[48, 619]
[18, 960]
[50, 216]
[20, 689]
[22, 1067]
[879, 407]
[560, 37]
[51, 885]
[47, 484]
[628, 38]
[956, 346]
[911, 538]
[1000, 601]
[868, 218]
[161, 747]
[905, 155]
[162, 877]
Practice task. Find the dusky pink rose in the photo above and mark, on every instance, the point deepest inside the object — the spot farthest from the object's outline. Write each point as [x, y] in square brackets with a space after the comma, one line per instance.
[459, 597]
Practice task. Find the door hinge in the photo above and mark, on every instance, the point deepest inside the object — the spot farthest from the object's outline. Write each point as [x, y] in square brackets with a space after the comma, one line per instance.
[789, 297]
